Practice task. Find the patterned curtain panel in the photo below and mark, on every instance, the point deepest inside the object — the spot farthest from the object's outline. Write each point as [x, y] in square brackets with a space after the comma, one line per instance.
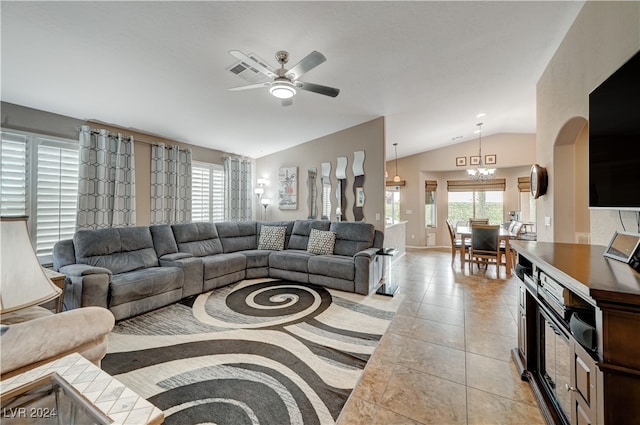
[238, 198]
[106, 189]
[170, 184]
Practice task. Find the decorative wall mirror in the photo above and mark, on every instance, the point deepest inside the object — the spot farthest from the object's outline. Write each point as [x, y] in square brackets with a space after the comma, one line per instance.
[341, 175]
[325, 181]
[358, 185]
[313, 192]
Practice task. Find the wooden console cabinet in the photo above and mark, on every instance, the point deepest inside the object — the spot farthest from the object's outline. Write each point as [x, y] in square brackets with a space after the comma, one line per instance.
[603, 386]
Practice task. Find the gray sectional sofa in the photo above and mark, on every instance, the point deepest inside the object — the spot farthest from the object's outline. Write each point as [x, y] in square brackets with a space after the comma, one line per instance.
[132, 270]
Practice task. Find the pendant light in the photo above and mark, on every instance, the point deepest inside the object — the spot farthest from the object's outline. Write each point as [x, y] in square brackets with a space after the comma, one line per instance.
[397, 181]
[396, 178]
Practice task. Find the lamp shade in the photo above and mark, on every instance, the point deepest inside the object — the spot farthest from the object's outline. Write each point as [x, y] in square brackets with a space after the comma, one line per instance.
[23, 282]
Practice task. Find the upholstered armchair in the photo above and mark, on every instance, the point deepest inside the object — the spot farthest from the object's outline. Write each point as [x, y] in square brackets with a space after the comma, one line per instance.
[33, 336]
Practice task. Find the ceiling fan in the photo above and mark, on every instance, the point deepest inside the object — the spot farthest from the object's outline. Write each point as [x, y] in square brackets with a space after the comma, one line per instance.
[286, 81]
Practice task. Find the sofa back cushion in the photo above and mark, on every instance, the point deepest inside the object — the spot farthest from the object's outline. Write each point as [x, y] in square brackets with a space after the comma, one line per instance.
[301, 230]
[118, 249]
[63, 254]
[197, 239]
[163, 240]
[352, 237]
[237, 235]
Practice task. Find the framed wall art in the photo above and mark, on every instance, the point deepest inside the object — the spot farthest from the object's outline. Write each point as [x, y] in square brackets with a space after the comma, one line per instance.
[489, 159]
[288, 188]
[474, 160]
[461, 161]
[360, 197]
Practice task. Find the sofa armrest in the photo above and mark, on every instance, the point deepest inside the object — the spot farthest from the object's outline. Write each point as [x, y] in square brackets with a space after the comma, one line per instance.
[31, 343]
[85, 286]
[369, 252]
[83, 270]
[192, 268]
[175, 256]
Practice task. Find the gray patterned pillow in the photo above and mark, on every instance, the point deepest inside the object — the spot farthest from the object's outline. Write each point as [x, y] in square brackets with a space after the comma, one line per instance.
[272, 238]
[321, 242]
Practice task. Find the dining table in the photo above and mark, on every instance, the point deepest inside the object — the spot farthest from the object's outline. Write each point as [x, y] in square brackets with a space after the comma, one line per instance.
[504, 235]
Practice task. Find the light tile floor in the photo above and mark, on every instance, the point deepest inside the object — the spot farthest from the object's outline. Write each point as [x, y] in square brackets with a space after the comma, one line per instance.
[446, 357]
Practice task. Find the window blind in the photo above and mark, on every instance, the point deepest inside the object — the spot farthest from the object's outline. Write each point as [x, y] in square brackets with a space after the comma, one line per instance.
[524, 184]
[471, 185]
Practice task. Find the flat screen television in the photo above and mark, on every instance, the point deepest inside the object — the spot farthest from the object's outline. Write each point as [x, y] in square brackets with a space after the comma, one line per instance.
[614, 140]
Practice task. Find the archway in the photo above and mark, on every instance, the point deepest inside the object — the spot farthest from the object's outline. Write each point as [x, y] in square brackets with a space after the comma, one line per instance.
[570, 182]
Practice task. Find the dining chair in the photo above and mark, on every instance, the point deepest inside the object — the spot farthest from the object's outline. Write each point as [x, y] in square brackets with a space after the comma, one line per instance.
[456, 244]
[515, 229]
[485, 246]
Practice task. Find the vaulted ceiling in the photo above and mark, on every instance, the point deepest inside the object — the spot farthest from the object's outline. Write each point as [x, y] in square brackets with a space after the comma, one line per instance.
[162, 67]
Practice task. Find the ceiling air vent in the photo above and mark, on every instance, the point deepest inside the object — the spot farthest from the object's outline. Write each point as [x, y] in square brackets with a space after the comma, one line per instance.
[247, 72]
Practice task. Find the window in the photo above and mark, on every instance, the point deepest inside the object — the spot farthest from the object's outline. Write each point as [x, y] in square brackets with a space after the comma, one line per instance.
[392, 206]
[207, 192]
[40, 180]
[430, 187]
[476, 204]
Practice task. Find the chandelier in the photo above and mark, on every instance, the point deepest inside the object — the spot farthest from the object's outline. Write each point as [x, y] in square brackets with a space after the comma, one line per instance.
[480, 173]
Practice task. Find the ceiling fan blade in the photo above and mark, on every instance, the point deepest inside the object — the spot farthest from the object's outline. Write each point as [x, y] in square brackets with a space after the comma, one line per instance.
[287, 102]
[251, 62]
[309, 62]
[317, 88]
[250, 86]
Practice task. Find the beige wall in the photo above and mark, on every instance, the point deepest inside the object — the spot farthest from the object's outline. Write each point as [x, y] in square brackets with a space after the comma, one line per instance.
[368, 137]
[515, 154]
[603, 36]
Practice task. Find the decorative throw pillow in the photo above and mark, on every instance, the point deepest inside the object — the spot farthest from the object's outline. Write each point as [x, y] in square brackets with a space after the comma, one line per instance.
[321, 242]
[272, 238]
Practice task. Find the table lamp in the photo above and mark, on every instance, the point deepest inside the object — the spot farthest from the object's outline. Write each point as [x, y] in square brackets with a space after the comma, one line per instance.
[23, 282]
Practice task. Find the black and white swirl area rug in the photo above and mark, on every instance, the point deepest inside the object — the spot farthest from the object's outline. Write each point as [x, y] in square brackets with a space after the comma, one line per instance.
[266, 352]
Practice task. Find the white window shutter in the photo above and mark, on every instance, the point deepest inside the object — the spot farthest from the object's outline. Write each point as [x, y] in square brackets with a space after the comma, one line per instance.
[13, 175]
[207, 192]
[57, 196]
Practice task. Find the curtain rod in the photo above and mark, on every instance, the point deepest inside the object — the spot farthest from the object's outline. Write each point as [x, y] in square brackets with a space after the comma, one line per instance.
[110, 134]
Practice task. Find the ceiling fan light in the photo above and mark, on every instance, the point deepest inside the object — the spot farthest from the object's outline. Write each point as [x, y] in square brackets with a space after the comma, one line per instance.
[282, 90]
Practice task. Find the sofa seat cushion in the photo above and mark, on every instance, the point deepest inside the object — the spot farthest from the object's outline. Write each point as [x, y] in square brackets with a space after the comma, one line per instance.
[223, 264]
[256, 258]
[333, 265]
[139, 284]
[290, 259]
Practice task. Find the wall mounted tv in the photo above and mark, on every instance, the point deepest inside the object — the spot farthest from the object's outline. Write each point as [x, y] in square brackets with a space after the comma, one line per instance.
[614, 140]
